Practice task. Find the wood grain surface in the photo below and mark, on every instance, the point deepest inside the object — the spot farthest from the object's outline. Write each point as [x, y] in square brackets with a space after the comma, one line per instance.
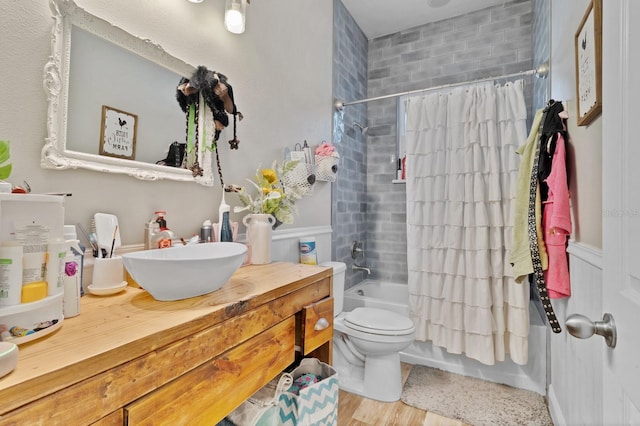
[124, 346]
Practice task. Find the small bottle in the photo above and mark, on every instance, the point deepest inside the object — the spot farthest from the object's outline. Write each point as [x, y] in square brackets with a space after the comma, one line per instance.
[164, 237]
[206, 232]
[10, 274]
[56, 253]
[72, 285]
[404, 168]
[224, 227]
[307, 153]
[75, 247]
[308, 255]
[77, 250]
[151, 228]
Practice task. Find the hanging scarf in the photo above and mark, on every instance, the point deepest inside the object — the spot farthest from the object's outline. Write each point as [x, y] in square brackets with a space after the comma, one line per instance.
[217, 94]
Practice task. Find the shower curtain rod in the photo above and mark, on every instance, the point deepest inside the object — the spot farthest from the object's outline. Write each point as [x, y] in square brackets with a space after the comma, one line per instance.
[540, 72]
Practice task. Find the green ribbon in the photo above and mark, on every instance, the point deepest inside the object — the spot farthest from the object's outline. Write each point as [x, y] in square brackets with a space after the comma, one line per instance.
[191, 134]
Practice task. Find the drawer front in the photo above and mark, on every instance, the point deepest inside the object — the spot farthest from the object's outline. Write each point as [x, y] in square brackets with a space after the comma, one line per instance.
[114, 419]
[317, 325]
[209, 392]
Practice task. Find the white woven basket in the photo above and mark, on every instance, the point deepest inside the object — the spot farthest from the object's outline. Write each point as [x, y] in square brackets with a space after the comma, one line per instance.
[327, 167]
[299, 178]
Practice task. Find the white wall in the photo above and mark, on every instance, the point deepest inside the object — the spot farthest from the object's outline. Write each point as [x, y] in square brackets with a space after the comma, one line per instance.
[575, 395]
[280, 69]
[585, 149]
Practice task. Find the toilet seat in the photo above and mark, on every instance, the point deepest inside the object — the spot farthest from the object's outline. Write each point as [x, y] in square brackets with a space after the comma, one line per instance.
[378, 321]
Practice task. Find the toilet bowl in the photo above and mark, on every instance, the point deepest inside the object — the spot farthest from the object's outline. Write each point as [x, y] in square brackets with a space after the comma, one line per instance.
[366, 345]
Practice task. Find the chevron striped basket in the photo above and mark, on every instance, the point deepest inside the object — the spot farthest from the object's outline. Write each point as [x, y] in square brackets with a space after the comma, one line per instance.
[317, 404]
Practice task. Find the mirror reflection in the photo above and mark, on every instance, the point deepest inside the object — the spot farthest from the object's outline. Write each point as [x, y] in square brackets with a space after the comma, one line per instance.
[112, 101]
[127, 82]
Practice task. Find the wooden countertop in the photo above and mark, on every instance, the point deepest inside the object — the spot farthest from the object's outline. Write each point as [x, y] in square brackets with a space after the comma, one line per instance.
[115, 329]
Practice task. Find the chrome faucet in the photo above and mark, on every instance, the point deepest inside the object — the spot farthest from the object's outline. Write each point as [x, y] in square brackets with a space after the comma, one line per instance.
[361, 268]
[356, 250]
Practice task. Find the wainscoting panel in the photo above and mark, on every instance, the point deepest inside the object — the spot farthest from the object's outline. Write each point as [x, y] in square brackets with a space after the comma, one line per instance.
[284, 246]
[575, 391]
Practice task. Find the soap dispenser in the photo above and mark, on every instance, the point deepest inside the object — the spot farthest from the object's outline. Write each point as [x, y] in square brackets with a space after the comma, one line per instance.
[164, 237]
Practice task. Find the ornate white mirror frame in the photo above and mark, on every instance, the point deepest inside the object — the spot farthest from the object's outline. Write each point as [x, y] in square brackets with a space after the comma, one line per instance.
[55, 153]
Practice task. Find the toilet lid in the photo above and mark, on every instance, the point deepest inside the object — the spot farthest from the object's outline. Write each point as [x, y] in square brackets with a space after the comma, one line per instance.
[378, 321]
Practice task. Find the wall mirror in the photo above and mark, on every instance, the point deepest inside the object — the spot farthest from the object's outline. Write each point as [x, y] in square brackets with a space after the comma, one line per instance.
[112, 105]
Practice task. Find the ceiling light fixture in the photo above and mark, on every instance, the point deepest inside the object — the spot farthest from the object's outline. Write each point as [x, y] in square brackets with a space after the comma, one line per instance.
[195, 1]
[234, 15]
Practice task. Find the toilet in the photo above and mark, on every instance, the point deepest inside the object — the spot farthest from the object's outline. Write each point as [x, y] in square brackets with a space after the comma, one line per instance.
[366, 345]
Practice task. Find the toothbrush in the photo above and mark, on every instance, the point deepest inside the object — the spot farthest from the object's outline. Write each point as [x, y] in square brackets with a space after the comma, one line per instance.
[92, 241]
[94, 244]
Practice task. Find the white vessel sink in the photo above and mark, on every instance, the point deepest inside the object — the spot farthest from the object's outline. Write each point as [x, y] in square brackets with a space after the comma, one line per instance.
[177, 273]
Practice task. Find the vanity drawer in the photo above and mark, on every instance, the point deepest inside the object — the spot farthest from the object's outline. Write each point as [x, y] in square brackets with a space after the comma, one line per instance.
[316, 325]
[114, 419]
[205, 394]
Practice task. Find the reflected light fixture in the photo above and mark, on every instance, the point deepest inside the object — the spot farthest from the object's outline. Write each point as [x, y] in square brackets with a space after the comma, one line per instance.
[437, 3]
[195, 1]
[234, 15]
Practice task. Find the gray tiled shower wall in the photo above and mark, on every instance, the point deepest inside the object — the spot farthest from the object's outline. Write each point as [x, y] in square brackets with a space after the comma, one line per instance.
[348, 195]
[541, 39]
[490, 42]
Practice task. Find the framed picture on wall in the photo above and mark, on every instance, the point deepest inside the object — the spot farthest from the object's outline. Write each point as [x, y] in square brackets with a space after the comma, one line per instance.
[118, 133]
[588, 47]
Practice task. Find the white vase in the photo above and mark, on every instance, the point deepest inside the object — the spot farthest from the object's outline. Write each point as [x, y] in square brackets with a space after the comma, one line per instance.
[259, 237]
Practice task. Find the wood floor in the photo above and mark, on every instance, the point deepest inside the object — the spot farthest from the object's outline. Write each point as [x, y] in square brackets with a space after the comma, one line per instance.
[354, 410]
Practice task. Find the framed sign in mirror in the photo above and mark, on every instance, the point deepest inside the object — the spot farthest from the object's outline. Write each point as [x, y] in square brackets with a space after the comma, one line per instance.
[118, 133]
[588, 48]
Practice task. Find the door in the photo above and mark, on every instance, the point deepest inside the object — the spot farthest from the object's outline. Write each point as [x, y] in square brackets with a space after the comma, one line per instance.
[621, 208]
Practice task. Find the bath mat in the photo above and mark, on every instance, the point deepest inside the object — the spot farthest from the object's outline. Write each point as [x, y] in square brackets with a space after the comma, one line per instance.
[473, 401]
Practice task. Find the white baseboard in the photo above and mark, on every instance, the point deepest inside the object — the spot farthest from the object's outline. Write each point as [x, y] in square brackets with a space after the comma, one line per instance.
[554, 408]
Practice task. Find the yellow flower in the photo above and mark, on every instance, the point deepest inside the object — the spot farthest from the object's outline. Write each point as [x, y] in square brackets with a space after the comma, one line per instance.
[269, 175]
[276, 195]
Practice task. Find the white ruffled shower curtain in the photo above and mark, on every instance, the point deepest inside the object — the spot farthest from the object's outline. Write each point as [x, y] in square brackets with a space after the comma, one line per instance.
[462, 168]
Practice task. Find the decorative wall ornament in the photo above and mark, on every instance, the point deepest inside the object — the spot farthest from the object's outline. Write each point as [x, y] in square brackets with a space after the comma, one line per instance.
[118, 133]
[588, 48]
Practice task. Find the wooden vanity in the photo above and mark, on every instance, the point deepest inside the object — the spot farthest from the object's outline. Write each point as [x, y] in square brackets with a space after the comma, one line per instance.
[128, 359]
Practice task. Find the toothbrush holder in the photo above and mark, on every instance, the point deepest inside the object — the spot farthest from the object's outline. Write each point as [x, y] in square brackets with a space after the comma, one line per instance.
[107, 272]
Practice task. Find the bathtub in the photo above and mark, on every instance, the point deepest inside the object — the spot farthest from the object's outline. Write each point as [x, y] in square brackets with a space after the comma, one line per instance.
[395, 297]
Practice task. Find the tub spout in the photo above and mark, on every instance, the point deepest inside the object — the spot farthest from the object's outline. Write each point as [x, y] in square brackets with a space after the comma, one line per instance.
[361, 268]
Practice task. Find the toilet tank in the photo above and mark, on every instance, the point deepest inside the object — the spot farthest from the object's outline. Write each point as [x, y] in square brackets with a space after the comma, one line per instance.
[339, 270]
